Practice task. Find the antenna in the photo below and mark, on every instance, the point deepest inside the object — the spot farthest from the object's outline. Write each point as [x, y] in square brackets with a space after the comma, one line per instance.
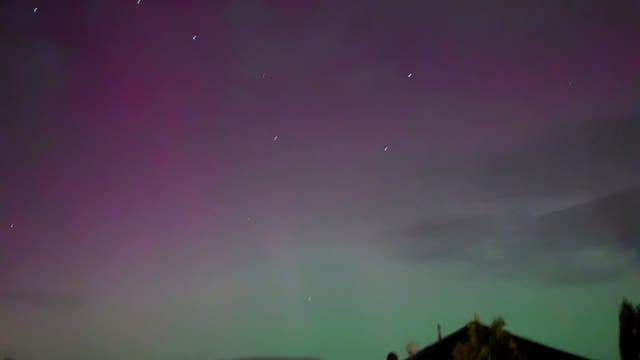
[439, 333]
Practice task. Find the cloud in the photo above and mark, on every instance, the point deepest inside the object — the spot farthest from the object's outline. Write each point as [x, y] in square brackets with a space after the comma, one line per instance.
[590, 157]
[38, 298]
[584, 244]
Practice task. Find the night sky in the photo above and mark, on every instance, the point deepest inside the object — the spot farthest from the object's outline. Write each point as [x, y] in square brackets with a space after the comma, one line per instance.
[217, 180]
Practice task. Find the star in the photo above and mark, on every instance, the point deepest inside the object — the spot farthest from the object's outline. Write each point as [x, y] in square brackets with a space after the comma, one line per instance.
[275, 138]
[249, 218]
[12, 226]
[386, 148]
[264, 75]
[308, 298]
[35, 9]
[410, 75]
[194, 37]
[138, 2]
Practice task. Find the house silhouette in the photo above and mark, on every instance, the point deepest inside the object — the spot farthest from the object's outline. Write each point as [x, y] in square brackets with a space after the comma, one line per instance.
[443, 349]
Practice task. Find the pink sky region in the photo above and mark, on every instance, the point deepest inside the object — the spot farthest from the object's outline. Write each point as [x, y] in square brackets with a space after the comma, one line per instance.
[228, 179]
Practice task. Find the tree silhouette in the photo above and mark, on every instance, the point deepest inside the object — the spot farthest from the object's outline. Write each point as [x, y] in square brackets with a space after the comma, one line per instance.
[629, 319]
[487, 343]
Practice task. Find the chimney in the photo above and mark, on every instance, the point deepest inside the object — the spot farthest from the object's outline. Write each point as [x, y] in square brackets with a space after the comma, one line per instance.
[439, 333]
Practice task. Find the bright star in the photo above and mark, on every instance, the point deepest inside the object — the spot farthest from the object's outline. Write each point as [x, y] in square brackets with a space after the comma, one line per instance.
[35, 9]
[12, 226]
[275, 138]
[138, 2]
[410, 75]
[194, 37]
[386, 148]
[309, 299]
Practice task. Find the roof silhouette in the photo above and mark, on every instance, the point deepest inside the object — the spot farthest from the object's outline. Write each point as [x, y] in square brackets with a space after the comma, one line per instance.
[443, 349]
